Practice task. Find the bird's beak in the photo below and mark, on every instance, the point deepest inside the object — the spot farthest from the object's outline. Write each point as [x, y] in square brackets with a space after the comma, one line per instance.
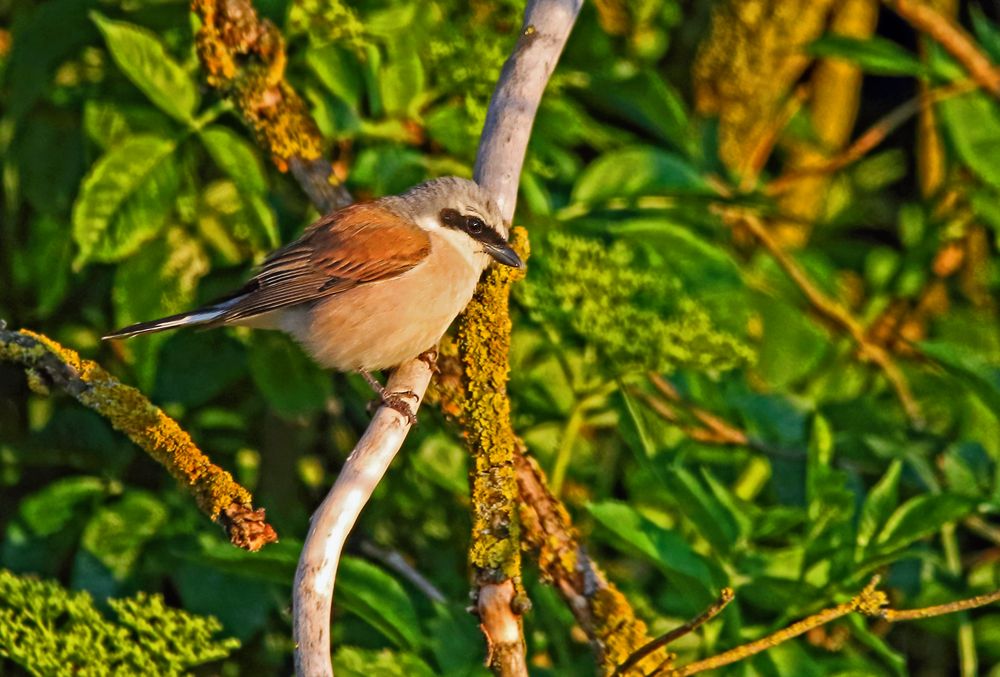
[503, 253]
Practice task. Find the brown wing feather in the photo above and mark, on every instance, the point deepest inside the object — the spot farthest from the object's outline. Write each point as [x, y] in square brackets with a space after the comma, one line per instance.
[358, 244]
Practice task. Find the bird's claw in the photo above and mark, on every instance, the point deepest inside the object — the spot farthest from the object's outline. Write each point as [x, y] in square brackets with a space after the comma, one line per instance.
[430, 358]
[398, 402]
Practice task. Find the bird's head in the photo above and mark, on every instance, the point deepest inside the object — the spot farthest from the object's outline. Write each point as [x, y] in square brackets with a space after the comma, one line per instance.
[464, 210]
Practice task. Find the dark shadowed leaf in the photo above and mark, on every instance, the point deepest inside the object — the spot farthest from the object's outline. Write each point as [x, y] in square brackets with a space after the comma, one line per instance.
[874, 54]
[378, 598]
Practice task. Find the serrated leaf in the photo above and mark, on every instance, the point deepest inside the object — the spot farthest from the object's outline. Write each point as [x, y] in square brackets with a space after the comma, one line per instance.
[919, 517]
[338, 70]
[108, 122]
[874, 54]
[879, 503]
[145, 61]
[379, 599]
[125, 199]
[162, 279]
[973, 124]
[235, 156]
[630, 172]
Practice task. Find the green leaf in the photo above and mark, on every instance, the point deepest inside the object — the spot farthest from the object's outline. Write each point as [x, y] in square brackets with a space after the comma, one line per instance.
[338, 70]
[235, 156]
[973, 124]
[51, 509]
[291, 383]
[233, 214]
[919, 517]
[982, 378]
[691, 574]
[713, 520]
[125, 199]
[987, 32]
[879, 503]
[631, 172]
[162, 279]
[379, 599]
[874, 55]
[117, 533]
[402, 81]
[349, 661]
[108, 122]
[143, 59]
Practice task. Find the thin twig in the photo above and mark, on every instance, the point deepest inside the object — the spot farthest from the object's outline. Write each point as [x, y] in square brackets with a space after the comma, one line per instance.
[725, 597]
[873, 136]
[395, 561]
[599, 607]
[869, 602]
[946, 32]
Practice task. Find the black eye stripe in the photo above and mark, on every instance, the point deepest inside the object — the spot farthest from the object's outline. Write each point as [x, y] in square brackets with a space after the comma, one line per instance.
[472, 225]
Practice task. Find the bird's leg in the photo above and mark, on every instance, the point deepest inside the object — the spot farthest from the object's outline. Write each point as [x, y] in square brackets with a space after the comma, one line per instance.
[430, 358]
[390, 399]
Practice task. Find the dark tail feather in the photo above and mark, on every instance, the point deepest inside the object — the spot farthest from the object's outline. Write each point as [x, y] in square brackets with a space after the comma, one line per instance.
[192, 318]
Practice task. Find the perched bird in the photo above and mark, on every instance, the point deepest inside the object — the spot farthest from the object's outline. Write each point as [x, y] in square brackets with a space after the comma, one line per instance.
[371, 285]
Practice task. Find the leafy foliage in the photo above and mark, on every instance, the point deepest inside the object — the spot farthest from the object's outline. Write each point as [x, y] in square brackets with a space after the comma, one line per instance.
[776, 459]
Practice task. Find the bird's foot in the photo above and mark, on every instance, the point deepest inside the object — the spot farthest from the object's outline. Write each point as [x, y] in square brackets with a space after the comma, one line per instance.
[430, 358]
[393, 400]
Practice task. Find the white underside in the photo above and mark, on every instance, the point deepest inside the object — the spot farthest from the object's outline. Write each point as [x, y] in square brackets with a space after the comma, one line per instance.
[379, 325]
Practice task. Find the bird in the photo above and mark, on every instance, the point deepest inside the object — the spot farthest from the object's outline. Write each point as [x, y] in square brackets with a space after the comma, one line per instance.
[369, 286]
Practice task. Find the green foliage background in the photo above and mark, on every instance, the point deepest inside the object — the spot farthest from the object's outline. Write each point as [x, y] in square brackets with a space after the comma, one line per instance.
[131, 191]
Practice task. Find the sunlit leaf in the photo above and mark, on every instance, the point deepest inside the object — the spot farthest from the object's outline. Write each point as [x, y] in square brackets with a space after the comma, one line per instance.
[125, 199]
[144, 60]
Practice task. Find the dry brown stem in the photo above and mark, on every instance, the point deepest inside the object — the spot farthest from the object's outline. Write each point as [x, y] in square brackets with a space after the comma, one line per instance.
[950, 35]
[832, 310]
[598, 606]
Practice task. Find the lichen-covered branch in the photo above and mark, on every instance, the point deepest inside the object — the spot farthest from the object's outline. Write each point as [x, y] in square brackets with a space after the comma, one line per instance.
[244, 57]
[217, 494]
[598, 606]
[870, 602]
[483, 343]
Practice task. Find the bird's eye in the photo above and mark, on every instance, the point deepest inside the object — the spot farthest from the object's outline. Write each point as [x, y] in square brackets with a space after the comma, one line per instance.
[474, 225]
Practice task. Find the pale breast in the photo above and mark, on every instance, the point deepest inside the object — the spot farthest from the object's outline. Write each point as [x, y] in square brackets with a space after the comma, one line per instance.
[382, 324]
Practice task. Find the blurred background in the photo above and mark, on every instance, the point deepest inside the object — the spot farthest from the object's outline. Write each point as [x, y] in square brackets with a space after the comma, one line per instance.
[708, 418]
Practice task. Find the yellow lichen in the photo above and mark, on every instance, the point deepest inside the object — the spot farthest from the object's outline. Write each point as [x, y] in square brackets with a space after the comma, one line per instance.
[483, 341]
[245, 57]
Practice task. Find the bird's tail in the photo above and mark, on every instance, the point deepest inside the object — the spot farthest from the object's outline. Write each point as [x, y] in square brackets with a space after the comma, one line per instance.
[194, 318]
